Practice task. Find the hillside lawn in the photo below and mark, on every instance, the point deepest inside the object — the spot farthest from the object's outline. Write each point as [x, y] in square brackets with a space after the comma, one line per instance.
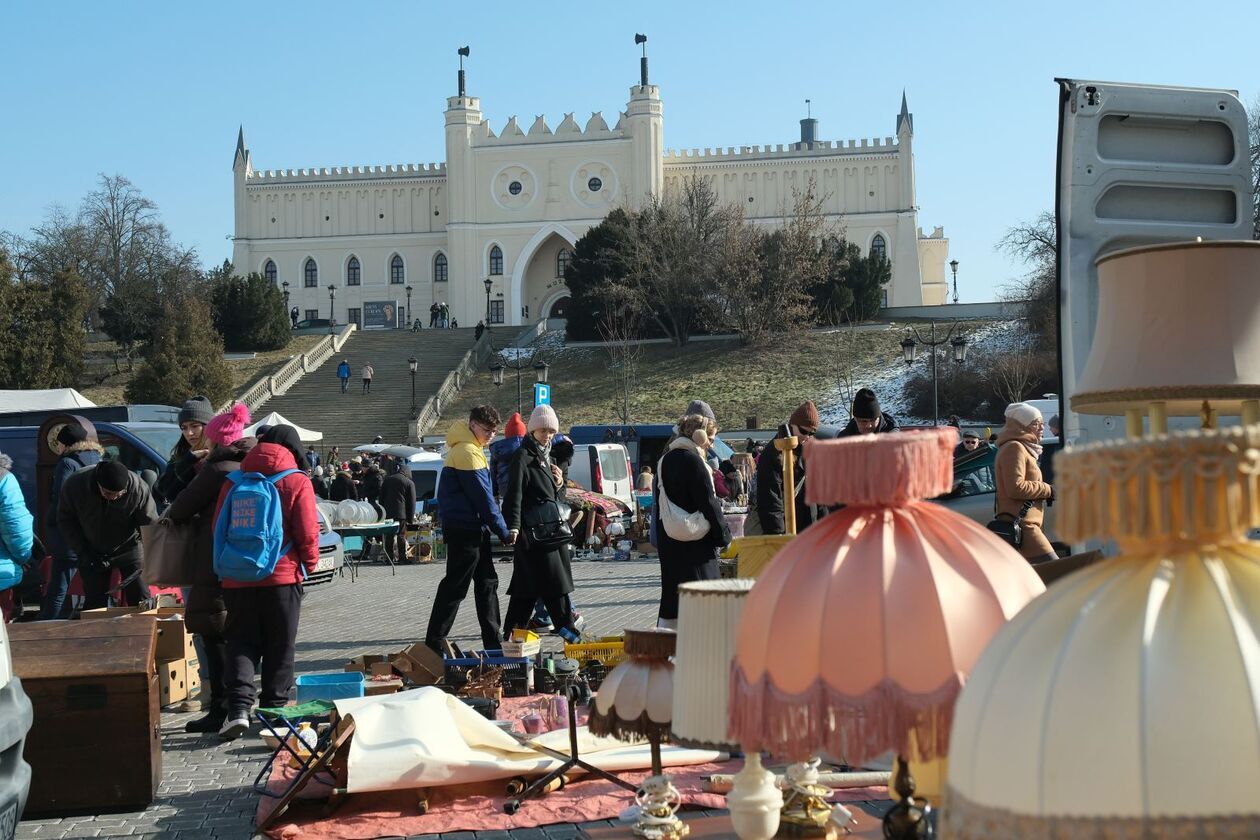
[99, 365]
[766, 381]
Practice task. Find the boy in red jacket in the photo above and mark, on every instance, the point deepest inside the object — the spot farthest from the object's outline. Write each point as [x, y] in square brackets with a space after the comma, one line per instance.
[262, 617]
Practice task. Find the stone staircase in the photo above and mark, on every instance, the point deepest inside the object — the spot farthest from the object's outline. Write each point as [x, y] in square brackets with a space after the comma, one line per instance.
[315, 401]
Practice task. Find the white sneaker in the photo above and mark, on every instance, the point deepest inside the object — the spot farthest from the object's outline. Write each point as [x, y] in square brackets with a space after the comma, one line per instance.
[236, 725]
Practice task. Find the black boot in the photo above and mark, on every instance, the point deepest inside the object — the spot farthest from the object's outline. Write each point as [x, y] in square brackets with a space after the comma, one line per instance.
[210, 722]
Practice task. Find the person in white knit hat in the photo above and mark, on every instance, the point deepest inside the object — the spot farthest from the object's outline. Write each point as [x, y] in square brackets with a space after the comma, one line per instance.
[530, 504]
[1021, 492]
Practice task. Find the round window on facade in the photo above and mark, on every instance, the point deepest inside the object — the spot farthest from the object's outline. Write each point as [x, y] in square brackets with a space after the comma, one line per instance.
[515, 188]
[594, 185]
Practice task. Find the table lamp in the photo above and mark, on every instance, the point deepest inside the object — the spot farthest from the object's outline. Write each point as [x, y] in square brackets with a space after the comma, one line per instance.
[1179, 335]
[708, 620]
[859, 636]
[635, 702]
[1126, 701]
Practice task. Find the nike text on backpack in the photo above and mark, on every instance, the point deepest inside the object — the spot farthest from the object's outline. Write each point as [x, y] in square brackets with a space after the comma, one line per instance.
[249, 533]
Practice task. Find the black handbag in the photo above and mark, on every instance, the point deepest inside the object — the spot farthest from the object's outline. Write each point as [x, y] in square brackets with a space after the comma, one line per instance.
[1008, 528]
[546, 526]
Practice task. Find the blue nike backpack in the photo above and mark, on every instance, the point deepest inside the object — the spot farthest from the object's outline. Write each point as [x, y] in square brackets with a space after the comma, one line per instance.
[249, 533]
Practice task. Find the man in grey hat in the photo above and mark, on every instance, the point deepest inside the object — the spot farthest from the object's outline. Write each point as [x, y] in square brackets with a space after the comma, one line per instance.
[100, 514]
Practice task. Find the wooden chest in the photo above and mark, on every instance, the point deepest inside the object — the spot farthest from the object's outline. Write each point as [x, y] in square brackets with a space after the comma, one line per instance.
[95, 745]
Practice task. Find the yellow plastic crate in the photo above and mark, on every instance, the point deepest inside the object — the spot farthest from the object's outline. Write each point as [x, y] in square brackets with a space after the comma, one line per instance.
[755, 553]
[609, 650]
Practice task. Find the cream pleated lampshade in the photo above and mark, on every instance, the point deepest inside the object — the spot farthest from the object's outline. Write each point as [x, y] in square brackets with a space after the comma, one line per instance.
[1125, 702]
[708, 621]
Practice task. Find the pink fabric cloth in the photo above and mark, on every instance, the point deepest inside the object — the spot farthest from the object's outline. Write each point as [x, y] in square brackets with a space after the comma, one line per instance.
[862, 630]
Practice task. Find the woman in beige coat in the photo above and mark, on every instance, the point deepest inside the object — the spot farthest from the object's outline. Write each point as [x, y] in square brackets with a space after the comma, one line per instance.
[1019, 478]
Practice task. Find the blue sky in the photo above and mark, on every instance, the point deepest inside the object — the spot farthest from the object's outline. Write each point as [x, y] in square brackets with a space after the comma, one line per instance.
[155, 91]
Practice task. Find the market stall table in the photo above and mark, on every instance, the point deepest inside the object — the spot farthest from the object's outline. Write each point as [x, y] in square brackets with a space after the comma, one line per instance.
[376, 531]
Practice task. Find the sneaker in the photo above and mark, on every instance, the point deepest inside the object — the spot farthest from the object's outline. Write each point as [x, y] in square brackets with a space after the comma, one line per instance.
[568, 635]
[536, 625]
[236, 725]
[207, 723]
[578, 622]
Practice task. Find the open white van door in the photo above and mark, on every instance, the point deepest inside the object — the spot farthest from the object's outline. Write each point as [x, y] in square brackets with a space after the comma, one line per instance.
[1138, 165]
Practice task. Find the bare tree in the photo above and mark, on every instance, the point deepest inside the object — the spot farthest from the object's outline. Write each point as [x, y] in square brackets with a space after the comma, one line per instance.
[1012, 374]
[620, 322]
[1036, 243]
[1253, 137]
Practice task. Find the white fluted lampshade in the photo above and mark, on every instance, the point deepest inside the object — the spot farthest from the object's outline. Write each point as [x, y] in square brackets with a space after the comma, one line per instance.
[708, 623]
[1125, 702]
[1177, 324]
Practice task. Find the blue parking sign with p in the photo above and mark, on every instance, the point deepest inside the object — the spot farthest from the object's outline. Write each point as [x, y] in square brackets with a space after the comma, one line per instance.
[542, 393]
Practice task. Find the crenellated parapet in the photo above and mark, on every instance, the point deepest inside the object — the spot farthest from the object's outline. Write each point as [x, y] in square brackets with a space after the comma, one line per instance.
[539, 132]
[347, 173]
[877, 145]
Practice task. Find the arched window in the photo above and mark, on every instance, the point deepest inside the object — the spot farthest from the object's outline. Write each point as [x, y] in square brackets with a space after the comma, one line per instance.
[879, 247]
[562, 261]
[353, 272]
[496, 260]
[439, 268]
[396, 270]
[269, 271]
[311, 273]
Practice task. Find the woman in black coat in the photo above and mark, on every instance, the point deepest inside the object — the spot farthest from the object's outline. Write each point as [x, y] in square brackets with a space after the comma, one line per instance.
[686, 479]
[536, 572]
[206, 613]
[342, 488]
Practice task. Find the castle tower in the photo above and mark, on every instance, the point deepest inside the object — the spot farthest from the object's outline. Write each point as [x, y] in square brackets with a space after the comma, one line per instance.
[463, 120]
[907, 285]
[646, 125]
[242, 168]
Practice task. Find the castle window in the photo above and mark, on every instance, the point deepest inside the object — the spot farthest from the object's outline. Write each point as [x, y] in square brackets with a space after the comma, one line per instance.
[879, 247]
[269, 271]
[562, 262]
[353, 272]
[594, 185]
[496, 312]
[496, 260]
[396, 271]
[439, 268]
[515, 188]
[310, 274]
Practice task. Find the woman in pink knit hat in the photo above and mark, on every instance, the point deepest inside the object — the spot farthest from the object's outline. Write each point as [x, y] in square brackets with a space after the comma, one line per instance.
[206, 612]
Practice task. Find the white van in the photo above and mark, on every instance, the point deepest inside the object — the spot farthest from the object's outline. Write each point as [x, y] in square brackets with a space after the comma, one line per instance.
[604, 468]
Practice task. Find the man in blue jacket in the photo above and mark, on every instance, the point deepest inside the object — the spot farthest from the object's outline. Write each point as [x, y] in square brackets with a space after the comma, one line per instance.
[17, 534]
[343, 373]
[469, 513]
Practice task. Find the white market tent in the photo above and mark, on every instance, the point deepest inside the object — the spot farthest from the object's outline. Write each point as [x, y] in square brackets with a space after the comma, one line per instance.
[49, 400]
[275, 419]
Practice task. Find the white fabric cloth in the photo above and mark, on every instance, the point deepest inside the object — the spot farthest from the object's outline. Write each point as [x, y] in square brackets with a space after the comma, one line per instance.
[275, 419]
[427, 738]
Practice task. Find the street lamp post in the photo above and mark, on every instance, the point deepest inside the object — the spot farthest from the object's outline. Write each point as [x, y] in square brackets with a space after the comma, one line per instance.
[953, 265]
[411, 366]
[285, 286]
[411, 316]
[489, 284]
[332, 308]
[540, 373]
[958, 346]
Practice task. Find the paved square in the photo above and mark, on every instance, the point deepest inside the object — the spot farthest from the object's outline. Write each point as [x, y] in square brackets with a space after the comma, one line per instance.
[205, 790]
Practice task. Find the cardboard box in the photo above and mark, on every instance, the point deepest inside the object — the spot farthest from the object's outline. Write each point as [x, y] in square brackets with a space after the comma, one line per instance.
[372, 664]
[174, 641]
[172, 682]
[419, 664]
[373, 687]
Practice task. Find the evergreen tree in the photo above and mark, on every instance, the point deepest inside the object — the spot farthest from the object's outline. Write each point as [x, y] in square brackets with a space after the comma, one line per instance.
[866, 277]
[185, 358]
[41, 329]
[248, 312]
[596, 264]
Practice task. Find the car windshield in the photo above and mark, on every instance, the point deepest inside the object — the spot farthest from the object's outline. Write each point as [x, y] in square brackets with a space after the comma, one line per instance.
[161, 440]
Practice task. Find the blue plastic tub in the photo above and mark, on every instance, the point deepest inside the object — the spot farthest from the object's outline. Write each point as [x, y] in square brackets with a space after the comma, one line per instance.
[339, 685]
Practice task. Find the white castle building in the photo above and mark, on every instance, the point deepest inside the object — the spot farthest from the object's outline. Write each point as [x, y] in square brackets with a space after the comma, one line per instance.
[509, 207]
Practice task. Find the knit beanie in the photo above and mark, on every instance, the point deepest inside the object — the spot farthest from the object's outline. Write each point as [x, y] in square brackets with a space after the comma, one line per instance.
[111, 476]
[515, 426]
[866, 405]
[71, 433]
[544, 417]
[1023, 413]
[702, 408]
[319, 471]
[227, 428]
[196, 410]
[287, 437]
[805, 417]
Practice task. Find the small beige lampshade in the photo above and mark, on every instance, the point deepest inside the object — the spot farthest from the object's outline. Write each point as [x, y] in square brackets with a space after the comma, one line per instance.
[636, 697]
[1177, 324]
[708, 623]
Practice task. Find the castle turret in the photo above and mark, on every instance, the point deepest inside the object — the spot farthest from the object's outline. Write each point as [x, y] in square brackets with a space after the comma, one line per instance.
[645, 123]
[905, 138]
[242, 168]
[907, 286]
[463, 121]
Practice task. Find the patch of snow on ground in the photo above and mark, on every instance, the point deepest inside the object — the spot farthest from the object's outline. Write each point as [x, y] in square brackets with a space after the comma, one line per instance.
[888, 381]
[549, 345]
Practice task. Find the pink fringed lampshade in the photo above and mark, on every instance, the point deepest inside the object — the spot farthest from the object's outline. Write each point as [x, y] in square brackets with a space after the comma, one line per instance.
[860, 634]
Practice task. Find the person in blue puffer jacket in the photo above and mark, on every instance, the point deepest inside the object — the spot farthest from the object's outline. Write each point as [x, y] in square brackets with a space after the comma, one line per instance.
[17, 534]
[501, 452]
